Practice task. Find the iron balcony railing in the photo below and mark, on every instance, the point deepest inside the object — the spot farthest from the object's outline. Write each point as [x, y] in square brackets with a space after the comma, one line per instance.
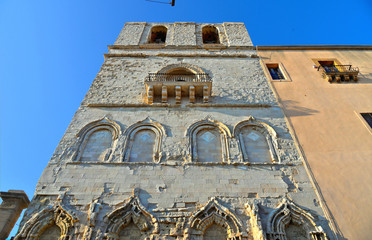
[340, 69]
[170, 77]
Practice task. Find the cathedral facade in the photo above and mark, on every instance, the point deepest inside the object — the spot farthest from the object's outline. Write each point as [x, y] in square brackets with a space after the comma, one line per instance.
[179, 137]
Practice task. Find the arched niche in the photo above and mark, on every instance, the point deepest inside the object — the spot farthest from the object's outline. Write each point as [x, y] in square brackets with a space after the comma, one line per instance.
[132, 218]
[257, 141]
[186, 67]
[214, 217]
[208, 141]
[210, 35]
[51, 221]
[97, 140]
[158, 34]
[182, 72]
[143, 141]
[288, 221]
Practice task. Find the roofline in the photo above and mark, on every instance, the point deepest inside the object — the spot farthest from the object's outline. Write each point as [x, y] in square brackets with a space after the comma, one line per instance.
[314, 47]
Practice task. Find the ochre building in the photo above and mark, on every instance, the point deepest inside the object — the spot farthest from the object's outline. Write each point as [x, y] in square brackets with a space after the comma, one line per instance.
[326, 94]
[179, 137]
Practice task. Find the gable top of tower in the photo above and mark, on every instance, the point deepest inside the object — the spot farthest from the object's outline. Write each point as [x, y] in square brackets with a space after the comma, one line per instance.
[184, 34]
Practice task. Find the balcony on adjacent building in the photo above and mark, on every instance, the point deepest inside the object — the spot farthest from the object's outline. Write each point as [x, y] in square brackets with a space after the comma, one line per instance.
[162, 87]
[339, 73]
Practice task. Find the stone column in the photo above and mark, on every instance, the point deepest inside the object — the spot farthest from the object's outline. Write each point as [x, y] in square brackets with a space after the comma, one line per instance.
[14, 201]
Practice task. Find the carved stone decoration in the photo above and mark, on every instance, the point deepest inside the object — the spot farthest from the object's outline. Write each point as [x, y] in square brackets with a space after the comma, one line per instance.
[147, 124]
[179, 228]
[132, 212]
[102, 124]
[192, 94]
[205, 124]
[150, 95]
[265, 129]
[214, 213]
[254, 221]
[93, 211]
[88, 232]
[178, 94]
[288, 212]
[56, 214]
[164, 94]
[206, 94]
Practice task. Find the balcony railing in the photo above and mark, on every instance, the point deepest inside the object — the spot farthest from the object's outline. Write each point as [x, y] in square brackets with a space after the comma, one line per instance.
[170, 77]
[339, 69]
[339, 72]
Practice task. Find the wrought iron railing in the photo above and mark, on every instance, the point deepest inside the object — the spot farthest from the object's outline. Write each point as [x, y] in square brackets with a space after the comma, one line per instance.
[341, 69]
[170, 77]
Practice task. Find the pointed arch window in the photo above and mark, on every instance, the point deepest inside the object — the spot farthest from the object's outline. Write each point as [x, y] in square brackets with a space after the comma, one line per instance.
[254, 145]
[257, 141]
[208, 145]
[208, 141]
[97, 141]
[143, 141]
[97, 146]
[142, 146]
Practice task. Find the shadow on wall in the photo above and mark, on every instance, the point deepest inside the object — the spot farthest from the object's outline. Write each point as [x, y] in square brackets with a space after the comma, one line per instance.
[143, 196]
[293, 110]
[365, 78]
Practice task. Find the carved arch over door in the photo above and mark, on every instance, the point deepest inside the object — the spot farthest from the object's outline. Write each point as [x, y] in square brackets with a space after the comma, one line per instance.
[288, 212]
[132, 212]
[52, 215]
[214, 213]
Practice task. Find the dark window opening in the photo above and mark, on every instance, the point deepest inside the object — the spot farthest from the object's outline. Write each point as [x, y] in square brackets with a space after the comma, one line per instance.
[158, 34]
[275, 71]
[327, 63]
[368, 118]
[329, 66]
[210, 35]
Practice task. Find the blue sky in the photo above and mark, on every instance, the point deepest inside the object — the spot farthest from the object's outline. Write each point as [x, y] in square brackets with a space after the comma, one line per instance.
[51, 51]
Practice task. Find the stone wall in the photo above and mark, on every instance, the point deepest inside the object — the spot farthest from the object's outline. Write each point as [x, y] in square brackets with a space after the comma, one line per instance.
[172, 193]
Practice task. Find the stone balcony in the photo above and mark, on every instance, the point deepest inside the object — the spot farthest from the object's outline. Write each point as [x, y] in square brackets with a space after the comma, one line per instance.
[161, 87]
[339, 73]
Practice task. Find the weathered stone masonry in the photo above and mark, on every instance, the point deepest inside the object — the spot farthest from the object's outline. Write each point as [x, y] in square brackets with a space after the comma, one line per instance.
[177, 139]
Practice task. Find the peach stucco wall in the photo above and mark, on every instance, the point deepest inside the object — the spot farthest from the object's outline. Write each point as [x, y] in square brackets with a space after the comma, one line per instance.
[336, 142]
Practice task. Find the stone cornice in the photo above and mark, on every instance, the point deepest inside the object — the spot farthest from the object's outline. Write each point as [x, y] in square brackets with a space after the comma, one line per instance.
[163, 46]
[15, 194]
[314, 47]
[194, 55]
[201, 105]
[183, 163]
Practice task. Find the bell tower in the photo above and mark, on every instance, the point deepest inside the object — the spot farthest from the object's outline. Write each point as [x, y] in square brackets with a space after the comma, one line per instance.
[179, 137]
